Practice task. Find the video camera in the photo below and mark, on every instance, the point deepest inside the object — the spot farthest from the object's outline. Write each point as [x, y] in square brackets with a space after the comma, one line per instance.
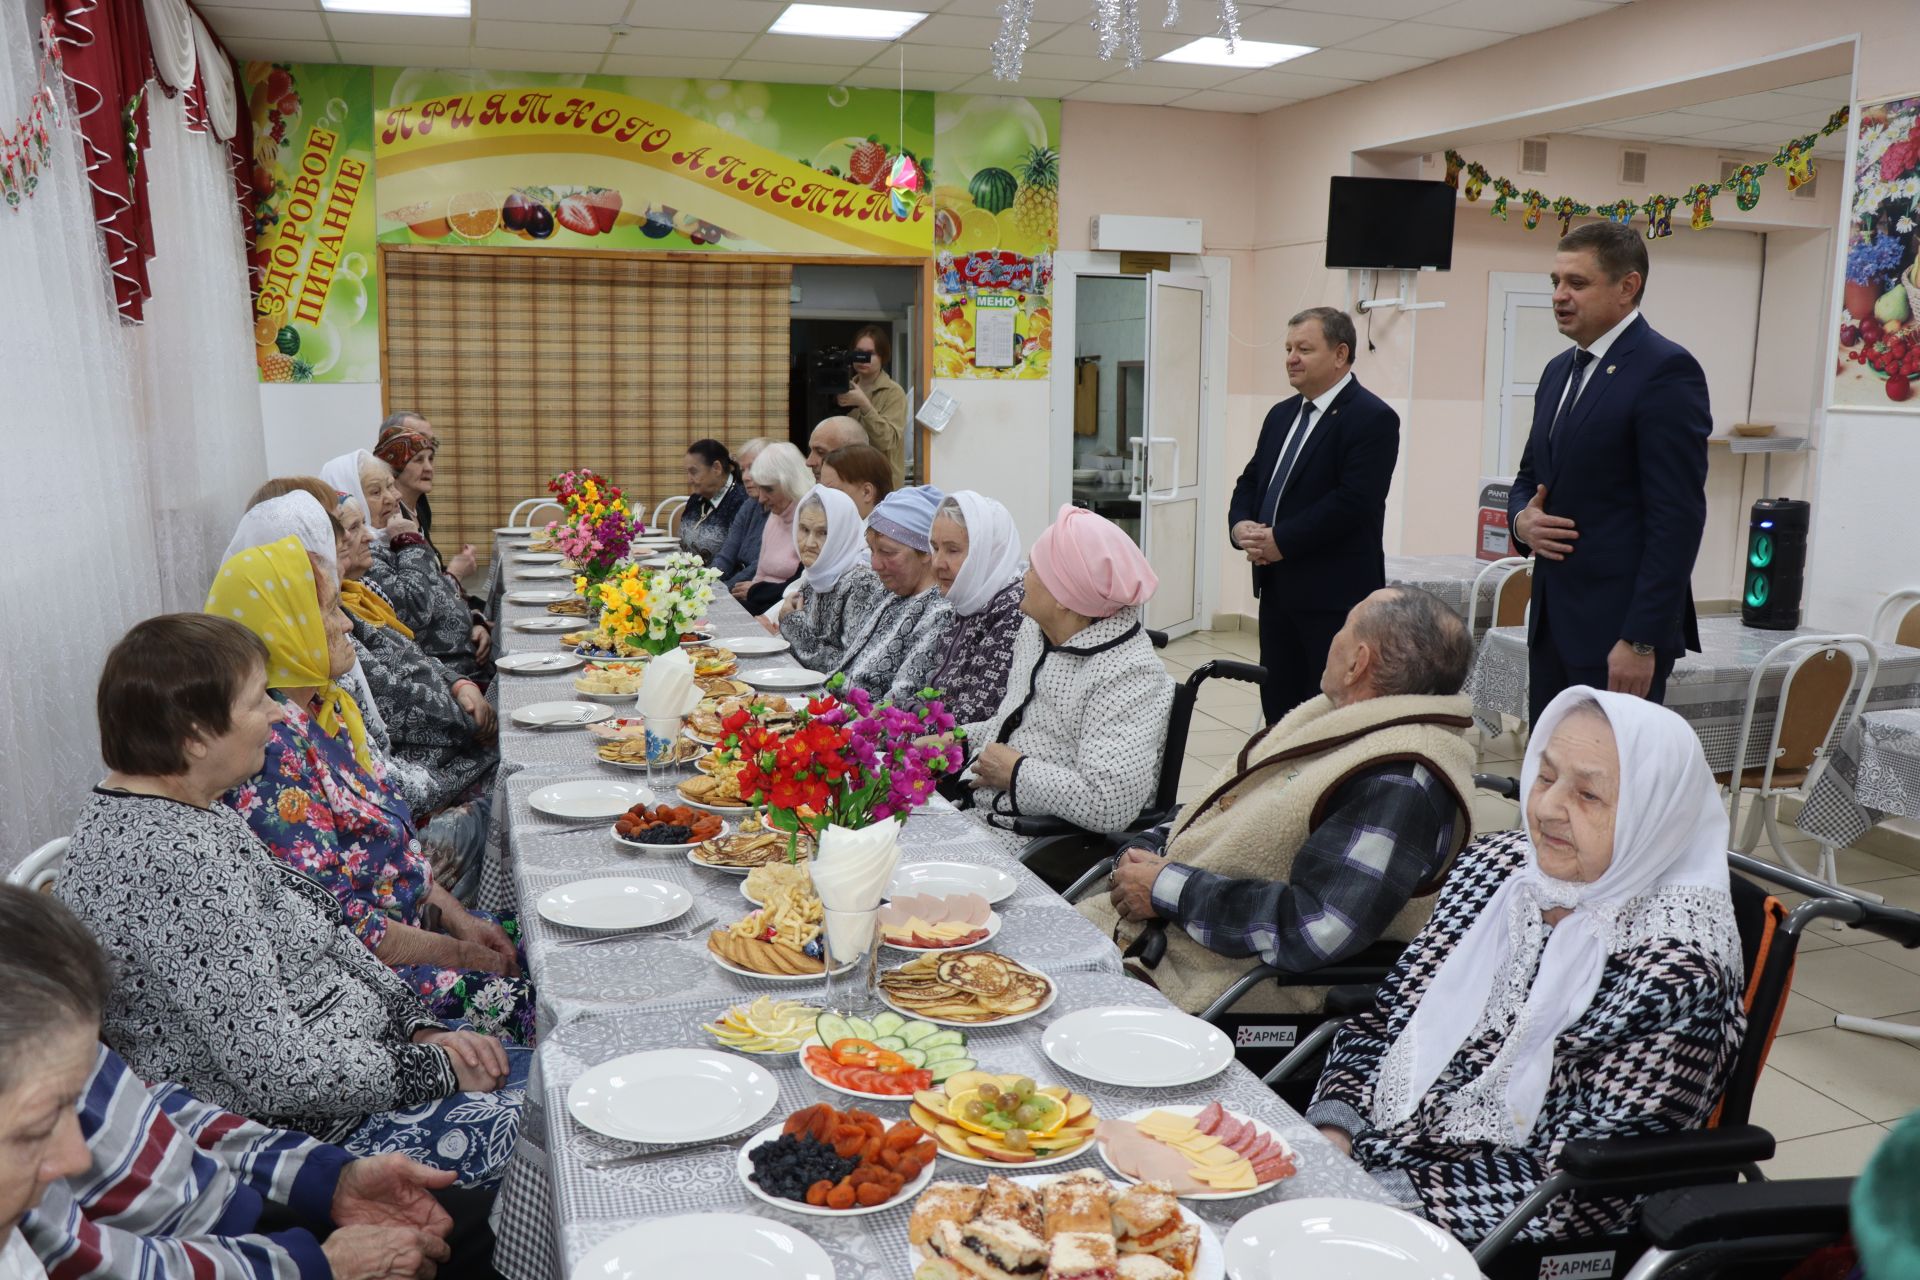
[830, 369]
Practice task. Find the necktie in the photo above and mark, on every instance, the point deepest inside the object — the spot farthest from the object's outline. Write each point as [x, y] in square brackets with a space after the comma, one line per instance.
[1581, 359]
[1270, 508]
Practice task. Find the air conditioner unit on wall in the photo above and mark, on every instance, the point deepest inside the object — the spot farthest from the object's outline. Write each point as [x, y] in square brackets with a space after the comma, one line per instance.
[1130, 233]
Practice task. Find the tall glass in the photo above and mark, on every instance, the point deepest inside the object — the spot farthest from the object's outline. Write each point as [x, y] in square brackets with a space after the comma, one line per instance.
[663, 744]
[851, 948]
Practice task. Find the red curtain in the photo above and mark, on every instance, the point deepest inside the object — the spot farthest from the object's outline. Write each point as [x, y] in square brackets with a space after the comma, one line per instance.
[109, 59]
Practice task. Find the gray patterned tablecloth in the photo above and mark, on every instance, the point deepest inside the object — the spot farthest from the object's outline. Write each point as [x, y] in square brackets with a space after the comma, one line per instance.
[1708, 689]
[554, 1208]
[1875, 774]
[1448, 577]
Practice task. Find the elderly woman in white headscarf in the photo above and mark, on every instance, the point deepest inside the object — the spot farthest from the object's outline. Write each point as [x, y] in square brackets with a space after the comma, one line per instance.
[976, 564]
[406, 569]
[893, 651]
[836, 588]
[1580, 978]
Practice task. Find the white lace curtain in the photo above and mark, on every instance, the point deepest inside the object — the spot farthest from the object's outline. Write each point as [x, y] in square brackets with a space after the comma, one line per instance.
[125, 453]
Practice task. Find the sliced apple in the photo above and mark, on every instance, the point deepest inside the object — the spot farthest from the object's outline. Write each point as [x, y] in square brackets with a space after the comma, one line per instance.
[967, 1081]
[994, 1151]
[926, 1119]
[954, 1137]
[1078, 1105]
[1058, 1091]
[931, 1100]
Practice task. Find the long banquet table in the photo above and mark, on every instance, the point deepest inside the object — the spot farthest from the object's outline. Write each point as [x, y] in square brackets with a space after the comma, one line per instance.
[603, 1001]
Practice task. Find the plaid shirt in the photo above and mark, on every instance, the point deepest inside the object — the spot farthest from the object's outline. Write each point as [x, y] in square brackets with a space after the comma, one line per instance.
[1384, 833]
[176, 1189]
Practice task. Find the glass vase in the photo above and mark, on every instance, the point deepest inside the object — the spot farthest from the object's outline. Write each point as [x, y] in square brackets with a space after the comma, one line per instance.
[850, 943]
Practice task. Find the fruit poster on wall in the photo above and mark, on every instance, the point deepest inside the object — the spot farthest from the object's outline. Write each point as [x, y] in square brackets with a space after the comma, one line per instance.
[996, 224]
[315, 313]
[607, 162]
[1879, 365]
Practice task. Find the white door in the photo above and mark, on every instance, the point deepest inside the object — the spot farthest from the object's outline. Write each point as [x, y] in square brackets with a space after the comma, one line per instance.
[1529, 339]
[1167, 456]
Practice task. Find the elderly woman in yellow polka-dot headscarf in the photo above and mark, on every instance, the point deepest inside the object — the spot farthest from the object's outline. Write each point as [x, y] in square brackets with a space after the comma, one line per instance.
[321, 804]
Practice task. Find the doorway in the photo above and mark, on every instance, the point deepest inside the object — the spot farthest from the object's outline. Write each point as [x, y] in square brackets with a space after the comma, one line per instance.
[1522, 338]
[830, 303]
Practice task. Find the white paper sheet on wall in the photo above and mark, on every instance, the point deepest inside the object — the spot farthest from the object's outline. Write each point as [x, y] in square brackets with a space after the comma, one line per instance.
[993, 335]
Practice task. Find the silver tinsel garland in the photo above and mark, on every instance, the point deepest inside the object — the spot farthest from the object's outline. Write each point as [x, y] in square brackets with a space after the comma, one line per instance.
[1116, 24]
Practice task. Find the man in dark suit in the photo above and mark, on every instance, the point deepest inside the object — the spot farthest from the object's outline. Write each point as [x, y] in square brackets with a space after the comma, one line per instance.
[1611, 497]
[1310, 507]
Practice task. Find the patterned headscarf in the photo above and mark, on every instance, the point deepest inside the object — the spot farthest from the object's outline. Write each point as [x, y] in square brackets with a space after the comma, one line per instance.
[400, 444]
[270, 590]
[906, 516]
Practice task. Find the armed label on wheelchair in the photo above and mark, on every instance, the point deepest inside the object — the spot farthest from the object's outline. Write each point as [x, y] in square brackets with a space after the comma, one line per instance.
[1577, 1266]
[1266, 1037]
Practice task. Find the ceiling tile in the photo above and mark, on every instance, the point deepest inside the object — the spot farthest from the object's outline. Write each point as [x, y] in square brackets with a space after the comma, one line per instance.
[370, 28]
[1143, 95]
[1081, 40]
[1021, 88]
[705, 15]
[398, 55]
[1673, 124]
[786, 72]
[645, 42]
[1043, 10]
[1505, 15]
[285, 24]
[889, 78]
[627, 64]
[282, 50]
[1423, 40]
[1758, 106]
[1758, 134]
[1175, 75]
[930, 57]
[1242, 103]
[1300, 26]
[1349, 64]
[843, 55]
[948, 28]
[536, 60]
[602, 11]
[1281, 83]
[1837, 88]
[562, 37]
[1057, 66]
[1393, 10]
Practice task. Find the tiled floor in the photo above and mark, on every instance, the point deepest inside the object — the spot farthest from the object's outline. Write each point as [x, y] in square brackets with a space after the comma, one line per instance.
[1827, 1095]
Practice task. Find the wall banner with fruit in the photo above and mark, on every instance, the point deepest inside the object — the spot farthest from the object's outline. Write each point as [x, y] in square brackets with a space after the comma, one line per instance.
[608, 162]
[996, 223]
[313, 278]
[1880, 302]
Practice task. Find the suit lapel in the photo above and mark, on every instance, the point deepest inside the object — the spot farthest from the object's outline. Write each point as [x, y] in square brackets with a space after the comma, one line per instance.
[1319, 434]
[1552, 383]
[1601, 375]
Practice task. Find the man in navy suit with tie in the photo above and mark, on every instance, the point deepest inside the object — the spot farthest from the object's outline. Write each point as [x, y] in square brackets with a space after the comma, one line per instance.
[1611, 496]
[1310, 508]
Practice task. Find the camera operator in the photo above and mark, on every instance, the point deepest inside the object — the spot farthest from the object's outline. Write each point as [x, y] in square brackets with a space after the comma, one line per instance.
[876, 401]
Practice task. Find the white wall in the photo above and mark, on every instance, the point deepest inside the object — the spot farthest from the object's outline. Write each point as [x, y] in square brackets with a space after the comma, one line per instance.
[308, 423]
[997, 444]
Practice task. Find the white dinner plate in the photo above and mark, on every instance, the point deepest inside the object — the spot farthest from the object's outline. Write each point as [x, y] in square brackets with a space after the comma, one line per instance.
[543, 595]
[511, 530]
[1208, 1264]
[1053, 993]
[993, 929]
[944, 878]
[1138, 1048]
[744, 1166]
[697, 638]
[717, 1245]
[757, 646]
[680, 797]
[1192, 1109]
[825, 1083]
[549, 625]
[547, 715]
[778, 977]
[593, 798]
[1343, 1240]
[538, 557]
[543, 572]
[784, 678]
[614, 902]
[673, 1095]
[654, 562]
[639, 847]
[538, 663]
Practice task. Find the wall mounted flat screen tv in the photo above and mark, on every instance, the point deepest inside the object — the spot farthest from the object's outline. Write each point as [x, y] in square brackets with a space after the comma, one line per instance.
[1392, 224]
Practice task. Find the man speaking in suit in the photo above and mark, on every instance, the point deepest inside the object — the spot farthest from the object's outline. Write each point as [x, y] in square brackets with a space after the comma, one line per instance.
[1611, 496]
[1310, 507]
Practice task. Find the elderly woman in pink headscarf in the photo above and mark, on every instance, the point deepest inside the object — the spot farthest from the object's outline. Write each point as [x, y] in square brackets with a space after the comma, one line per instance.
[1079, 733]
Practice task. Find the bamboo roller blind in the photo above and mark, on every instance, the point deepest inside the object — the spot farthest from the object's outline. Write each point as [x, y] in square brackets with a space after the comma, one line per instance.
[529, 364]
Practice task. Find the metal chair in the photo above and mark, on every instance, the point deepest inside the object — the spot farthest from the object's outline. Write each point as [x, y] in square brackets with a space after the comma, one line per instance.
[667, 514]
[1512, 595]
[530, 505]
[37, 870]
[1897, 620]
[1812, 712]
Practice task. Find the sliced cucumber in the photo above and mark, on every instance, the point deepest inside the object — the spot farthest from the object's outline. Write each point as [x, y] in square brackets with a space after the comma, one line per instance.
[914, 1032]
[832, 1028]
[890, 1042]
[945, 1035]
[889, 1023]
[942, 1052]
[942, 1071]
[913, 1057]
[861, 1029]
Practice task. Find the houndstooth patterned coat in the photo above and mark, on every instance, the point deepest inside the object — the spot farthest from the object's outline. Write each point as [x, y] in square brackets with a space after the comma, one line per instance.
[1650, 1055]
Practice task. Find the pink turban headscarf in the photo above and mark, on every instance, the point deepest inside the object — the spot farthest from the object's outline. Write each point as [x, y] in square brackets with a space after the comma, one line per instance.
[1090, 566]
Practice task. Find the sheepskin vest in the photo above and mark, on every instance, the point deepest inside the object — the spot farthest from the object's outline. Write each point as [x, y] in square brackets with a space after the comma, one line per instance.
[1259, 810]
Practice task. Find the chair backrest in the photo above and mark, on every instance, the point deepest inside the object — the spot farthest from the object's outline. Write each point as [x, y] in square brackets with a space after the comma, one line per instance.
[1768, 951]
[529, 506]
[1512, 592]
[667, 513]
[1811, 710]
[1180, 720]
[37, 869]
[1898, 618]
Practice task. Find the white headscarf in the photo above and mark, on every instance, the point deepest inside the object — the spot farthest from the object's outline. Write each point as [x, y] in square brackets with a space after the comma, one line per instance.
[993, 551]
[299, 515]
[846, 535]
[343, 473]
[1668, 879]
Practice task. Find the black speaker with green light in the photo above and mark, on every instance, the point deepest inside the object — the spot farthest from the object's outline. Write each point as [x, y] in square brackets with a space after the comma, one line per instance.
[1776, 564]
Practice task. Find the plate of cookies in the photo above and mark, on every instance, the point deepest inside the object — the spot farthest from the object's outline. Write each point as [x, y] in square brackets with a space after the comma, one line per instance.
[781, 942]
